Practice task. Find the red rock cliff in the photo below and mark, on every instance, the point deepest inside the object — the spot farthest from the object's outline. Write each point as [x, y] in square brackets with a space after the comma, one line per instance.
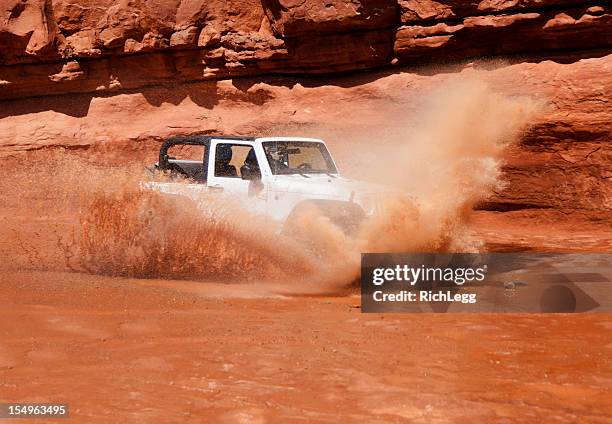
[65, 46]
[138, 71]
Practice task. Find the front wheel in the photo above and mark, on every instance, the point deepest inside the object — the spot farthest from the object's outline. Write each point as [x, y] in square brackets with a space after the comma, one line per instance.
[311, 217]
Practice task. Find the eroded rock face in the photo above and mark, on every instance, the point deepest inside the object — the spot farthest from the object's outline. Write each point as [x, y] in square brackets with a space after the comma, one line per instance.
[212, 39]
[27, 30]
[109, 53]
[561, 163]
[413, 11]
[576, 29]
[291, 18]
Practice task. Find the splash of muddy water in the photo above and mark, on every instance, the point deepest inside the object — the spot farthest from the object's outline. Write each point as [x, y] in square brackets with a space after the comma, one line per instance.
[63, 212]
[442, 163]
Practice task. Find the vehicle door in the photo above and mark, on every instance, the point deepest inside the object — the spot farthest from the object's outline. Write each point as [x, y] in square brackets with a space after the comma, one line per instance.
[187, 163]
[226, 161]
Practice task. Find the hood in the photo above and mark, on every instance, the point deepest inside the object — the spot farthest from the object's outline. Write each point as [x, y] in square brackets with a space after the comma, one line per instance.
[329, 187]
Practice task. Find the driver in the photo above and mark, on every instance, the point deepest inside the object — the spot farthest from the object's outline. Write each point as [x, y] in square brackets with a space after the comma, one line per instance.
[250, 166]
[278, 162]
[251, 160]
[223, 157]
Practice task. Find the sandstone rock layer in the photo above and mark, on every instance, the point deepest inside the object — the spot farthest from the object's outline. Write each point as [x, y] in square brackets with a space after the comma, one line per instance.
[137, 71]
[563, 162]
[68, 46]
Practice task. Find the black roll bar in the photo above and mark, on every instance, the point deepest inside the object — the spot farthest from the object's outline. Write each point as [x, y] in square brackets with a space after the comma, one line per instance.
[193, 140]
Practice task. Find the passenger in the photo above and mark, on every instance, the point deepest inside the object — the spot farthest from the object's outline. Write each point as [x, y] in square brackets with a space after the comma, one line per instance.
[223, 157]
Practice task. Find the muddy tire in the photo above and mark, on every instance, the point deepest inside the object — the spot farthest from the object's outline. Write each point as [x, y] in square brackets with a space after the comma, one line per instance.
[345, 216]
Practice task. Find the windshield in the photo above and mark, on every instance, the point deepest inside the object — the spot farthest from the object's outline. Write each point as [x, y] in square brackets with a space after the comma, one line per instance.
[298, 157]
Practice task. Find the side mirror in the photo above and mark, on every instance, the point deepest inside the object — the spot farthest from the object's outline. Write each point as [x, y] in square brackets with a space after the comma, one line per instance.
[249, 173]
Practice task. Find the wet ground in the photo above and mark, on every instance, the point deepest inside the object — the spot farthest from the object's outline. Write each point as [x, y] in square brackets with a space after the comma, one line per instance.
[163, 351]
[540, 231]
[159, 351]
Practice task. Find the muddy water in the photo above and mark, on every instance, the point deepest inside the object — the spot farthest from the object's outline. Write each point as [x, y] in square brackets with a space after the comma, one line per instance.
[132, 308]
[67, 211]
[63, 212]
[221, 346]
[158, 351]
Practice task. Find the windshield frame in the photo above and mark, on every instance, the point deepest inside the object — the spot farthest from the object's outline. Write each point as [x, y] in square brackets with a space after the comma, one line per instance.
[331, 166]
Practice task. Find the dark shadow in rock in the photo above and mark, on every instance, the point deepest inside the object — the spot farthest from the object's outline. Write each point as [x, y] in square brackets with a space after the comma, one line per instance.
[244, 84]
[76, 105]
[204, 94]
[171, 93]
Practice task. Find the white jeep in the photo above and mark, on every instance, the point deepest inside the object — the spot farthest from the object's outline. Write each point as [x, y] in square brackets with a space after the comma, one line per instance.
[276, 176]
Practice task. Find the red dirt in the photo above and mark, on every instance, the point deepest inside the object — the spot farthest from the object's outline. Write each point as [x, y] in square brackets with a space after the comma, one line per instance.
[542, 231]
[151, 351]
[160, 351]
